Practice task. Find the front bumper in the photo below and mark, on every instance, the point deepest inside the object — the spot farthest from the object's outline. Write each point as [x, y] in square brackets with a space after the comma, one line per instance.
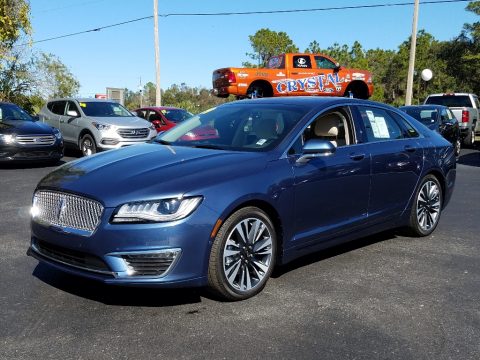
[110, 140]
[31, 153]
[120, 253]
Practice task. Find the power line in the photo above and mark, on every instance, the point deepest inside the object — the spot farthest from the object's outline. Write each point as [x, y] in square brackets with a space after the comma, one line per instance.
[245, 13]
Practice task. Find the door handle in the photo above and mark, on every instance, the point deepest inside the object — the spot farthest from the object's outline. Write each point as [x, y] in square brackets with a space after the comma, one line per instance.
[357, 157]
[410, 148]
[62, 121]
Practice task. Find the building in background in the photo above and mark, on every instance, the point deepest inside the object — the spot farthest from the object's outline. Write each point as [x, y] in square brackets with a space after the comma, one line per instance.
[116, 94]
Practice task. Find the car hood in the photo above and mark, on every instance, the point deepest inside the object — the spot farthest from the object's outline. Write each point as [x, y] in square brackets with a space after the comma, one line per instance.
[124, 121]
[21, 127]
[150, 171]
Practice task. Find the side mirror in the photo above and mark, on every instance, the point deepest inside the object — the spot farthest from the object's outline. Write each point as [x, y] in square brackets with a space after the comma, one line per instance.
[338, 67]
[315, 148]
[156, 123]
[72, 113]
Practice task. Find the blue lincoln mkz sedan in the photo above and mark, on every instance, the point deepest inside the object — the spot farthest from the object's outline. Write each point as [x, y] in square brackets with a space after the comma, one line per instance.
[277, 178]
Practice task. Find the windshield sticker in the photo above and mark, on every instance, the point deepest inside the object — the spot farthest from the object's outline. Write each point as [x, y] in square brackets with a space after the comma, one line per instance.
[163, 111]
[82, 104]
[261, 142]
[379, 127]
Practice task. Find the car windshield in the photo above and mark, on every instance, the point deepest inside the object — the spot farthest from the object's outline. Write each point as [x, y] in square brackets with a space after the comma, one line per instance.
[238, 127]
[450, 100]
[103, 109]
[425, 116]
[176, 115]
[13, 112]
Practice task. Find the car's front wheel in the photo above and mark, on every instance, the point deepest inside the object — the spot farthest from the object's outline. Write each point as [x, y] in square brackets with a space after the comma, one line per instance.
[427, 207]
[87, 145]
[243, 254]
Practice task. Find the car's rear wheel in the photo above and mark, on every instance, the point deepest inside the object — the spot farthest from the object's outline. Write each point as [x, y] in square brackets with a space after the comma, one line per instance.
[243, 254]
[87, 145]
[458, 146]
[470, 138]
[258, 90]
[427, 207]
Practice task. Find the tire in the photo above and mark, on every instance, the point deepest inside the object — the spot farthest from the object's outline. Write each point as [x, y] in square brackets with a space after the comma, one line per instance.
[469, 140]
[87, 145]
[457, 146]
[240, 269]
[258, 91]
[427, 207]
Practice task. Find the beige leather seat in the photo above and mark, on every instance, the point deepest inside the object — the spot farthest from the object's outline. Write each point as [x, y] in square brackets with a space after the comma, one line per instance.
[327, 128]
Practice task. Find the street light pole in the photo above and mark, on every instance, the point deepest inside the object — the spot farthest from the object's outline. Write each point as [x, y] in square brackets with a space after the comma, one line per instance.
[411, 62]
[158, 95]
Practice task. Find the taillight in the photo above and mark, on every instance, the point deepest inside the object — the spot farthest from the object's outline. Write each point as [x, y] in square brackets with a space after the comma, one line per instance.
[230, 75]
[464, 116]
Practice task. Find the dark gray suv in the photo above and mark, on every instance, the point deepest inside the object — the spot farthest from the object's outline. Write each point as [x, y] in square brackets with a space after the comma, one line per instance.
[92, 125]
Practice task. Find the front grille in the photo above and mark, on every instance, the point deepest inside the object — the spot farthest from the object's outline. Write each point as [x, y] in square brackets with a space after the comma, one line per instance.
[37, 140]
[150, 264]
[71, 257]
[133, 133]
[70, 212]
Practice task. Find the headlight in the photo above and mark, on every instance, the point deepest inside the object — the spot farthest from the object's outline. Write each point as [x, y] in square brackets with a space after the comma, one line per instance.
[101, 127]
[157, 210]
[152, 127]
[7, 139]
[57, 133]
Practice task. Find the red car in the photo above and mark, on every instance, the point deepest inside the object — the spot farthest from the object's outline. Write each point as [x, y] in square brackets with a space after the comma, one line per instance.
[163, 117]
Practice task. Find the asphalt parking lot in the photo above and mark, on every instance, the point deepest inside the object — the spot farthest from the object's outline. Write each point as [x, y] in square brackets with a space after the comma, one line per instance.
[381, 297]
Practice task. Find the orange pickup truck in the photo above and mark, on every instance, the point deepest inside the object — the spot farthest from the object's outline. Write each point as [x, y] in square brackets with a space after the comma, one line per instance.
[293, 74]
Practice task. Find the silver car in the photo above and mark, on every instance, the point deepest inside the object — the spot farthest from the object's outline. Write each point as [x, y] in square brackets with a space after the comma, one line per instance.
[92, 125]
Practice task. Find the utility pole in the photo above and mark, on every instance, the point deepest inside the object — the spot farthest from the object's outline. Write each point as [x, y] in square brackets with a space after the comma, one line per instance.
[411, 62]
[158, 94]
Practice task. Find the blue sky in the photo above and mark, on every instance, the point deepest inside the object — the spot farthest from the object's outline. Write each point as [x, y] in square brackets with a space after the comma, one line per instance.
[192, 47]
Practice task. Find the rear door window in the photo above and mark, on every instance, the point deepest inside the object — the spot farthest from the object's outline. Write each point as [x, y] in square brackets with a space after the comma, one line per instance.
[302, 62]
[379, 124]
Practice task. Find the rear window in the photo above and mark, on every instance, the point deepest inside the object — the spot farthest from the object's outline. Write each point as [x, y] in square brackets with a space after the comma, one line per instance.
[450, 100]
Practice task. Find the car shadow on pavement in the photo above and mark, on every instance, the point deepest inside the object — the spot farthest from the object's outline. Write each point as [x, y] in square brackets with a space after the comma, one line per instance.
[115, 295]
[335, 250]
[470, 159]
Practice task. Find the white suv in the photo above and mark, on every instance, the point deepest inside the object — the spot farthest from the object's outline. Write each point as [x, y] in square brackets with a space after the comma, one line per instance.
[92, 125]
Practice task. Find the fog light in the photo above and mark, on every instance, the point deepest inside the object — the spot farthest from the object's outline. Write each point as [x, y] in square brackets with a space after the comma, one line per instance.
[108, 141]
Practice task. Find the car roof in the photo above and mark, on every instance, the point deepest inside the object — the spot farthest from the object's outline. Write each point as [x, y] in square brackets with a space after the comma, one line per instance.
[426, 106]
[453, 93]
[159, 108]
[310, 102]
[82, 99]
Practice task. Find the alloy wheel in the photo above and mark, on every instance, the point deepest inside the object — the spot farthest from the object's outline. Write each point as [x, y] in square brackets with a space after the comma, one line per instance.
[428, 205]
[247, 254]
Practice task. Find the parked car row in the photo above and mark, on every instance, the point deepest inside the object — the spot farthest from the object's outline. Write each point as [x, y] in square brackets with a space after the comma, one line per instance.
[93, 125]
